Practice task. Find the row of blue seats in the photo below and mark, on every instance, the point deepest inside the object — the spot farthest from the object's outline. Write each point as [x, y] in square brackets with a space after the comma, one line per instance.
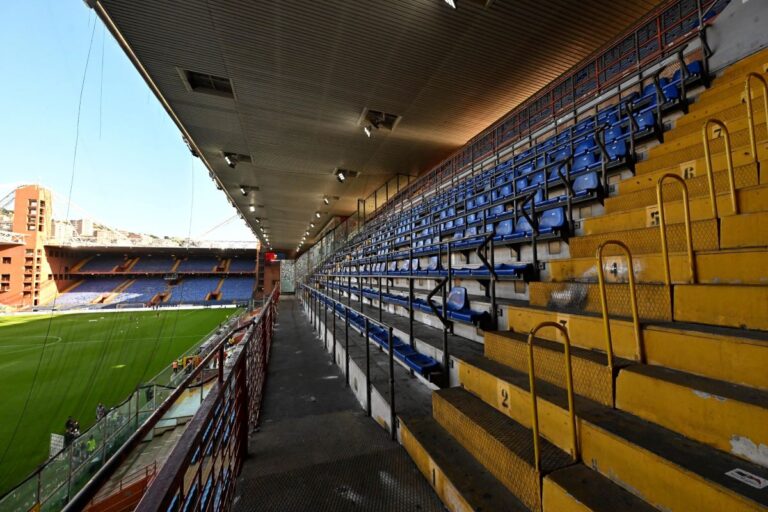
[489, 194]
[434, 269]
[457, 304]
[414, 360]
[577, 141]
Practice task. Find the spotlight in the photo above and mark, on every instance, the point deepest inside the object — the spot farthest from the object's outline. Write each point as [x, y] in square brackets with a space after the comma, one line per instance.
[244, 190]
[368, 130]
[306, 233]
[252, 208]
[231, 160]
[257, 220]
[317, 215]
[451, 3]
[341, 176]
[326, 201]
[311, 224]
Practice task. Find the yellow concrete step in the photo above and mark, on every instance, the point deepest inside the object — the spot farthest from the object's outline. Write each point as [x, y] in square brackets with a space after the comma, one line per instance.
[725, 110]
[659, 158]
[698, 186]
[737, 266]
[592, 377]
[652, 299]
[731, 418]
[669, 471]
[647, 240]
[664, 468]
[735, 125]
[461, 482]
[756, 61]
[739, 306]
[696, 166]
[745, 230]
[502, 446]
[580, 489]
[724, 354]
[724, 91]
[749, 200]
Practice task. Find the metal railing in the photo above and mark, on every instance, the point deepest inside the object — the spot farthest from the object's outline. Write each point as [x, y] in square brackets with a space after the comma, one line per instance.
[721, 130]
[569, 390]
[314, 300]
[53, 482]
[164, 484]
[632, 300]
[663, 229]
[750, 113]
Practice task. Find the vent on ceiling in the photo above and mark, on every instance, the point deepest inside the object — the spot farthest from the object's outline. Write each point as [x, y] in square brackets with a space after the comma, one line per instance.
[206, 83]
[379, 120]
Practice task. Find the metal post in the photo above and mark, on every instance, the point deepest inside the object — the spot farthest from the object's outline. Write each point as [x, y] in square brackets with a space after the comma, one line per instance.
[410, 310]
[325, 325]
[367, 369]
[392, 416]
[380, 299]
[346, 346]
[333, 350]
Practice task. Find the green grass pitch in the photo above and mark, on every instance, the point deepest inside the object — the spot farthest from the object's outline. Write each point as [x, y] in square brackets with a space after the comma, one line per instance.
[83, 359]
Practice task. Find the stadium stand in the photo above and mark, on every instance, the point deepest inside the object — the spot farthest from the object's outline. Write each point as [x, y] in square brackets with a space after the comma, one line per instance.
[87, 291]
[154, 263]
[241, 265]
[237, 288]
[142, 290]
[508, 250]
[193, 290]
[197, 264]
[103, 263]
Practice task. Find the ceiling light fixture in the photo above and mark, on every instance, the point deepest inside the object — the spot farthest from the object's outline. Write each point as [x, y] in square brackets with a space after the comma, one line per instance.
[451, 3]
[252, 208]
[231, 160]
[317, 215]
[326, 201]
[341, 176]
[368, 129]
[244, 190]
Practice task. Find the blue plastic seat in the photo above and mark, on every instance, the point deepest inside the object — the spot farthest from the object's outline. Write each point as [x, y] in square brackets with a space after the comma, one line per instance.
[551, 220]
[458, 306]
[586, 184]
[504, 229]
[583, 162]
[421, 363]
[585, 146]
[646, 119]
[495, 211]
[617, 150]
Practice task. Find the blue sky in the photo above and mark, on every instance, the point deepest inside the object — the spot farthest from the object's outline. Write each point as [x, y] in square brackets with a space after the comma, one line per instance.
[132, 169]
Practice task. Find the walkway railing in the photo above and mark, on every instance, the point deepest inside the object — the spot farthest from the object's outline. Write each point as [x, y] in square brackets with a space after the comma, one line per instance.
[52, 484]
[721, 130]
[632, 302]
[201, 471]
[257, 332]
[663, 229]
[750, 113]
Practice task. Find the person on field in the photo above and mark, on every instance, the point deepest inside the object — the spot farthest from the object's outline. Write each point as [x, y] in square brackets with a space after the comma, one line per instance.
[101, 411]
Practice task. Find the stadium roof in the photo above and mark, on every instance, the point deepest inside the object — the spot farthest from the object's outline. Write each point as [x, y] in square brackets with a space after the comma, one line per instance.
[285, 85]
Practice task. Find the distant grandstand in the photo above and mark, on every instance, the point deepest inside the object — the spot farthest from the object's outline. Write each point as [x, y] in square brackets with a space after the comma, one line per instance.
[64, 265]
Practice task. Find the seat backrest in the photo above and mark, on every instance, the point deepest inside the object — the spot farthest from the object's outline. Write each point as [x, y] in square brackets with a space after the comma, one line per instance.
[470, 204]
[459, 222]
[585, 145]
[586, 182]
[432, 263]
[560, 154]
[523, 225]
[497, 210]
[583, 161]
[457, 298]
[472, 231]
[554, 218]
[458, 234]
[392, 265]
[482, 199]
[537, 178]
[504, 227]
[613, 133]
[521, 183]
[415, 264]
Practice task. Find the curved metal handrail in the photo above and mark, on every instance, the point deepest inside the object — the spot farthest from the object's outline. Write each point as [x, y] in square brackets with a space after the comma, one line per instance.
[569, 391]
[750, 114]
[632, 301]
[663, 228]
[729, 163]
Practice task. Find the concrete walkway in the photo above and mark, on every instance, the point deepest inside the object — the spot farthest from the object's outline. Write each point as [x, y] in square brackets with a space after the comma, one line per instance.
[316, 449]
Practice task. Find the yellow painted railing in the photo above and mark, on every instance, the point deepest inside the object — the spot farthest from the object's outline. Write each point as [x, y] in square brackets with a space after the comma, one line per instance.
[663, 228]
[728, 159]
[568, 387]
[632, 302]
[750, 113]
